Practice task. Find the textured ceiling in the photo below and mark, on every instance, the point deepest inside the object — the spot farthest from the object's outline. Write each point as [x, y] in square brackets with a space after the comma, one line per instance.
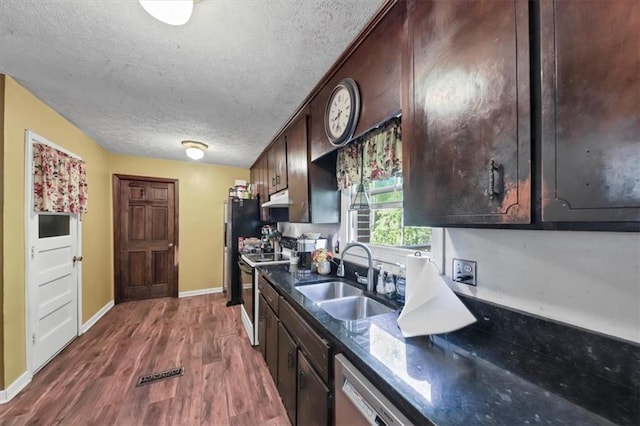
[230, 77]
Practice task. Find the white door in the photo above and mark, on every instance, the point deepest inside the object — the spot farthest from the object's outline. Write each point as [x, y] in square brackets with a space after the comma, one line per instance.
[53, 286]
[53, 293]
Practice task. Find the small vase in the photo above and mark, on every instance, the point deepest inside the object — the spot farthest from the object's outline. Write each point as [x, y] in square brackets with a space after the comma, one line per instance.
[324, 268]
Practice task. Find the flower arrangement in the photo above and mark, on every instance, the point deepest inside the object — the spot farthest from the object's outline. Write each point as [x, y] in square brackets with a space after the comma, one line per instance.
[320, 255]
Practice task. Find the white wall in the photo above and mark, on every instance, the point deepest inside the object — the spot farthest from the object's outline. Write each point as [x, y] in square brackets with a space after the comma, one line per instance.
[587, 279]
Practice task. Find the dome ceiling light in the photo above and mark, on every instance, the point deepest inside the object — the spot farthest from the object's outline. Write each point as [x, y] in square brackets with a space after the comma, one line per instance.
[194, 149]
[172, 12]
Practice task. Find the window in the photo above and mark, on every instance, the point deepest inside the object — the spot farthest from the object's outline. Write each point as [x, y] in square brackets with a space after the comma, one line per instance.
[383, 223]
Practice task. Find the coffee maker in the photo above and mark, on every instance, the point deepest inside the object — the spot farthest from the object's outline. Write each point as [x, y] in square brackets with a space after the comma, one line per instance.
[305, 248]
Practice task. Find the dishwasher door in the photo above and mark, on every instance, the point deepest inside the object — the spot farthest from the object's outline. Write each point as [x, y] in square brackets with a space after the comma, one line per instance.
[358, 402]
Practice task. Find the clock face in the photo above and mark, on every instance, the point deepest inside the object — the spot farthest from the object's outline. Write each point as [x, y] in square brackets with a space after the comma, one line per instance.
[339, 112]
[342, 112]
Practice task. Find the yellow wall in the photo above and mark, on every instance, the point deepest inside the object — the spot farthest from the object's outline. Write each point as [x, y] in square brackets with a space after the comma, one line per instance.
[202, 190]
[25, 111]
[2, 386]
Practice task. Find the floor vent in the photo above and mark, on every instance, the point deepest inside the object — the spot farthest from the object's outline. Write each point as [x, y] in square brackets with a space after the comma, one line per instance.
[163, 375]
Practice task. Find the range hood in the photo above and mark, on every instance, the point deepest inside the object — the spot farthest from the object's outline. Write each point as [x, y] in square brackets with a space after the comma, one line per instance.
[279, 199]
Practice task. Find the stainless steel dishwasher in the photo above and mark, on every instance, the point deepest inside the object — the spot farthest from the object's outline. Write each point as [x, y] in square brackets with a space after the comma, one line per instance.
[358, 402]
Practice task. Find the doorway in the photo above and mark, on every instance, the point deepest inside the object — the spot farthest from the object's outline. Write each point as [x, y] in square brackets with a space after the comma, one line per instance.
[53, 271]
[145, 212]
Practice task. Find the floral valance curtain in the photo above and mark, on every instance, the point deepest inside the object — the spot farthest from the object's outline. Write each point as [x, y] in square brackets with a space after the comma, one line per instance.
[59, 181]
[382, 150]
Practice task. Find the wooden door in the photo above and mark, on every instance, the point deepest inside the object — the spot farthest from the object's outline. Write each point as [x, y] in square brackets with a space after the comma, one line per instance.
[146, 235]
[287, 368]
[590, 52]
[468, 108]
[313, 395]
[298, 172]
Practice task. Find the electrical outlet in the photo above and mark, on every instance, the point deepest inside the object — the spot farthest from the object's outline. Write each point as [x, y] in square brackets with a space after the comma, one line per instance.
[464, 271]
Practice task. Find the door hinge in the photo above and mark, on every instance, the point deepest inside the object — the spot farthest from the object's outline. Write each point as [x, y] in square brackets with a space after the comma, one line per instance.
[33, 338]
[33, 252]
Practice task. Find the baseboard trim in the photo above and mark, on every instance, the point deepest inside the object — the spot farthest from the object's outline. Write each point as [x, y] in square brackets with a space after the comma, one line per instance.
[190, 293]
[14, 388]
[94, 319]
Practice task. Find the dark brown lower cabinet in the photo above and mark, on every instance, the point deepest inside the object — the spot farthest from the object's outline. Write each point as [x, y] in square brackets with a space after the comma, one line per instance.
[262, 326]
[271, 342]
[298, 359]
[313, 395]
[287, 370]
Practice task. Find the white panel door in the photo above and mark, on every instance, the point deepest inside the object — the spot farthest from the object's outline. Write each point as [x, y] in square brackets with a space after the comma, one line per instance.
[53, 286]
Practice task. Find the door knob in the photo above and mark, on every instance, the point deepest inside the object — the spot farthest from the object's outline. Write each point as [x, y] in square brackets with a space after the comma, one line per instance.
[77, 258]
[170, 245]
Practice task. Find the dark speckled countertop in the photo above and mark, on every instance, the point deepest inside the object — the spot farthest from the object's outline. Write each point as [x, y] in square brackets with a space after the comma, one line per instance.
[465, 377]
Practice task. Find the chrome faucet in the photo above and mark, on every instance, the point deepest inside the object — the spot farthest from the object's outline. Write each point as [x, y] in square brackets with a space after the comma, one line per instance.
[362, 280]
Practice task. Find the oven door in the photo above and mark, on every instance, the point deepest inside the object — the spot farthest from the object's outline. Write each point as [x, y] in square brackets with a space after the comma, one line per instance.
[248, 302]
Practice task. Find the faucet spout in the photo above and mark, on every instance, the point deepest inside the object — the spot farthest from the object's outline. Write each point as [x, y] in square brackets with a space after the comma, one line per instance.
[369, 280]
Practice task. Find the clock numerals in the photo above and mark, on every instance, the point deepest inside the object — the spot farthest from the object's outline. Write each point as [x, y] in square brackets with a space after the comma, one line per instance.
[342, 111]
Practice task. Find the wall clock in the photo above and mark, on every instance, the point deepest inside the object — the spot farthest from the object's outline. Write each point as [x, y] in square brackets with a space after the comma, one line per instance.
[342, 112]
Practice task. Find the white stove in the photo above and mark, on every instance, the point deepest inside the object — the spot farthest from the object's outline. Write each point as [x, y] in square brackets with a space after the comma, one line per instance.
[250, 294]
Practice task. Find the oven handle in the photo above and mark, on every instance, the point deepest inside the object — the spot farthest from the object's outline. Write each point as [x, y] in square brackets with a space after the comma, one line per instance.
[244, 267]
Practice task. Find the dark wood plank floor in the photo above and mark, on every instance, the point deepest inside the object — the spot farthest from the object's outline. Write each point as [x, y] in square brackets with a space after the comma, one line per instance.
[92, 382]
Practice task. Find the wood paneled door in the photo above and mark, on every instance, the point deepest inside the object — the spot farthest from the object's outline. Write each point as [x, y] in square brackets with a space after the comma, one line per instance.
[145, 237]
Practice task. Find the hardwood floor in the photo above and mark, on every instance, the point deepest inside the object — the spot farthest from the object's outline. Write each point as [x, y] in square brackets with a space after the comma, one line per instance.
[92, 382]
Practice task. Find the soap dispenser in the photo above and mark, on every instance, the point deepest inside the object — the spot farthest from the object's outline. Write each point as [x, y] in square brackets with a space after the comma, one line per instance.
[401, 284]
[389, 286]
[380, 286]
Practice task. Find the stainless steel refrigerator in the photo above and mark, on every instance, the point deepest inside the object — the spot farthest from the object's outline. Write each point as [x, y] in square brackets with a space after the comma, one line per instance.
[241, 219]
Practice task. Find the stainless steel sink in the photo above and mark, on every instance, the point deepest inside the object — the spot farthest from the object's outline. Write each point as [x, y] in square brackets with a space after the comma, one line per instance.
[328, 290]
[354, 308]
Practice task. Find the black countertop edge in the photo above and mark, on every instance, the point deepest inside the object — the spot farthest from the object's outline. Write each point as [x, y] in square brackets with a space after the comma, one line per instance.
[476, 377]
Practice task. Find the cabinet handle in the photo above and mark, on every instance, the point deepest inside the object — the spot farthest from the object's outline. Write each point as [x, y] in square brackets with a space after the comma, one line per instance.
[278, 180]
[495, 182]
[300, 379]
[290, 362]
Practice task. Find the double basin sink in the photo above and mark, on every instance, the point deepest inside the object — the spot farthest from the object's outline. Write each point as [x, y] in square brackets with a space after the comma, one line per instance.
[343, 301]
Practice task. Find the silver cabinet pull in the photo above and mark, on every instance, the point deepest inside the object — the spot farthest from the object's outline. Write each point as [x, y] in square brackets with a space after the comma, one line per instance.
[170, 245]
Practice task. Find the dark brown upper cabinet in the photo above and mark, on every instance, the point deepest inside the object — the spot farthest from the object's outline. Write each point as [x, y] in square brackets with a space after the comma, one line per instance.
[467, 120]
[298, 171]
[313, 189]
[277, 164]
[260, 182]
[375, 64]
[590, 58]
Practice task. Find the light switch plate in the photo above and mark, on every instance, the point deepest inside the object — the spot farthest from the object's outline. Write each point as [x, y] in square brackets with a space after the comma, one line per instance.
[464, 271]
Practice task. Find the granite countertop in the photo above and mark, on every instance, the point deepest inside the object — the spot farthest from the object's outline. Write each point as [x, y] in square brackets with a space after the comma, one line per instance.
[457, 378]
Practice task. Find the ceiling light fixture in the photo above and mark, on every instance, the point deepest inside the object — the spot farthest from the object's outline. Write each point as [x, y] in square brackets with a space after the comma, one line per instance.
[195, 150]
[172, 12]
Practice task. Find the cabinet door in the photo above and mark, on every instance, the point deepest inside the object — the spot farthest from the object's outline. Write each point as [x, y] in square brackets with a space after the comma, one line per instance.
[287, 368]
[272, 342]
[313, 395]
[298, 172]
[262, 326]
[467, 131]
[277, 158]
[264, 186]
[271, 169]
[590, 54]
[281, 163]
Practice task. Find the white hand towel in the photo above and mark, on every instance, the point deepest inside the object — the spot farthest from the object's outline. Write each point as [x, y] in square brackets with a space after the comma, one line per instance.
[430, 305]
